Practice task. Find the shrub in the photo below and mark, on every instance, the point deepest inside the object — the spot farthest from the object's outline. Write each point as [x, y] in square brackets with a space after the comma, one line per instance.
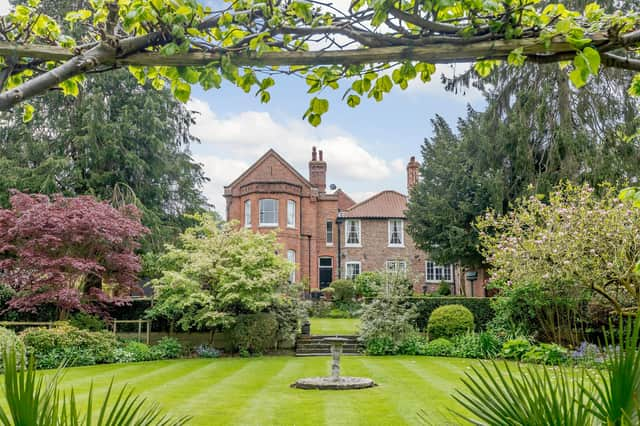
[476, 345]
[254, 333]
[368, 284]
[65, 356]
[515, 348]
[95, 347]
[85, 321]
[289, 313]
[344, 291]
[134, 352]
[550, 354]
[319, 308]
[481, 309]
[387, 319]
[167, 348]
[382, 345]
[415, 344]
[449, 321]
[439, 347]
[9, 341]
[206, 351]
[444, 289]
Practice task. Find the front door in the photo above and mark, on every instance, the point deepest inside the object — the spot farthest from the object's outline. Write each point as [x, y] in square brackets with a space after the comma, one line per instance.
[326, 272]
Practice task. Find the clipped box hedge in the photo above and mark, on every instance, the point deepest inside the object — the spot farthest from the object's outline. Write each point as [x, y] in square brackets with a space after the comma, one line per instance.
[481, 308]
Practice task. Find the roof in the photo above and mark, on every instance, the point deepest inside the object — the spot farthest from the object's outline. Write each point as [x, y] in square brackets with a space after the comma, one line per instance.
[271, 153]
[383, 205]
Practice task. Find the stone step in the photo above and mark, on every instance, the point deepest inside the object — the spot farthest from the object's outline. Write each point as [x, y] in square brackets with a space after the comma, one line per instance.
[326, 354]
[325, 351]
[325, 347]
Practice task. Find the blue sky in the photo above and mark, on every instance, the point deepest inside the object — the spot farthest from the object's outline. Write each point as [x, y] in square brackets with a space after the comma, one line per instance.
[366, 148]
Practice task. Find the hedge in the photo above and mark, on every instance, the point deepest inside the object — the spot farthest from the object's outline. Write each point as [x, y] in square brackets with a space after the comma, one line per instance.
[480, 307]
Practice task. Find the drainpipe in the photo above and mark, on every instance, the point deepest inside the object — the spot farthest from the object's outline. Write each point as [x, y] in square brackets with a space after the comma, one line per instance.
[338, 222]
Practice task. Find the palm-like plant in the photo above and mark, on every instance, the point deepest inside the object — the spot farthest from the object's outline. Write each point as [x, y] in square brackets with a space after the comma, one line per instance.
[33, 401]
[499, 394]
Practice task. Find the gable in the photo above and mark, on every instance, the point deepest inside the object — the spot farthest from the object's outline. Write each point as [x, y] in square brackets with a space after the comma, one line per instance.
[270, 168]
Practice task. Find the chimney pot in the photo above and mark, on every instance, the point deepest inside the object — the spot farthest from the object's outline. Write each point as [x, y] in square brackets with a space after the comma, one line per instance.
[320, 155]
[313, 154]
[318, 171]
[412, 173]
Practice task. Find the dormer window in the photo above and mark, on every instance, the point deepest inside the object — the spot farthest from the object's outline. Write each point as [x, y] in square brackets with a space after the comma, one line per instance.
[396, 233]
[268, 212]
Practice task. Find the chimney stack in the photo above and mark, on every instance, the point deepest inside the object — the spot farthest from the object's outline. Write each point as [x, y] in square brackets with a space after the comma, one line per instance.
[318, 171]
[413, 173]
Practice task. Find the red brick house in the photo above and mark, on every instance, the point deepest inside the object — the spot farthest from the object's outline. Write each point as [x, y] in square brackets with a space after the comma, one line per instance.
[326, 234]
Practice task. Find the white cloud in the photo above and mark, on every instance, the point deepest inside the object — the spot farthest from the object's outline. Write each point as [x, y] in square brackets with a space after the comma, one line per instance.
[221, 172]
[250, 134]
[4, 7]
[361, 195]
[398, 165]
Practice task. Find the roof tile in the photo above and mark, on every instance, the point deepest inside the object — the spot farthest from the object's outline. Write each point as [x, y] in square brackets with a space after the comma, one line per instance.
[385, 204]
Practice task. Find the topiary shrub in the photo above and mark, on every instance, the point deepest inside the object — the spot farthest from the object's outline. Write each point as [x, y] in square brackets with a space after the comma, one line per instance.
[254, 333]
[450, 321]
[481, 308]
[439, 347]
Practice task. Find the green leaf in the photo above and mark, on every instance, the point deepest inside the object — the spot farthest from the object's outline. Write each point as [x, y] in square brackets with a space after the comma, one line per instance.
[484, 68]
[27, 115]
[181, 90]
[579, 77]
[353, 101]
[634, 90]
[593, 59]
[516, 58]
[70, 88]
[314, 120]
[319, 106]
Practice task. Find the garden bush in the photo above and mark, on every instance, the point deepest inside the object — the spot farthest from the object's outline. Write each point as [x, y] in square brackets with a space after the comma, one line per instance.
[344, 291]
[515, 348]
[476, 345]
[439, 347]
[550, 354]
[290, 313]
[87, 347]
[167, 348]
[382, 345]
[450, 321]
[368, 284]
[254, 333]
[85, 321]
[206, 351]
[338, 313]
[481, 308]
[386, 320]
[415, 344]
[444, 289]
[9, 341]
[134, 352]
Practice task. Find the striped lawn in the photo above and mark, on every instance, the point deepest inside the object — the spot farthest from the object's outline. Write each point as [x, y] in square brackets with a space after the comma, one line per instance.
[237, 391]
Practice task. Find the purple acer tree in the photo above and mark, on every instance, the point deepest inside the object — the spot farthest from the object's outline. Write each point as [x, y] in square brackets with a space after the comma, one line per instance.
[73, 253]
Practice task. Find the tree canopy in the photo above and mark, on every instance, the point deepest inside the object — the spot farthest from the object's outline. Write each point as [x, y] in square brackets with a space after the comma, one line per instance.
[183, 42]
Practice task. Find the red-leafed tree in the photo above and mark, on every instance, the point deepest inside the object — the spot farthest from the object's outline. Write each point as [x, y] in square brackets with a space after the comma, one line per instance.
[72, 253]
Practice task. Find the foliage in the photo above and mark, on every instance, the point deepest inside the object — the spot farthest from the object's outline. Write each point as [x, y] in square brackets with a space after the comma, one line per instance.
[368, 284]
[574, 243]
[290, 313]
[550, 354]
[73, 253]
[439, 347]
[216, 273]
[449, 321]
[414, 344]
[481, 308]
[338, 313]
[387, 320]
[557, 395]
[476, 345]
[51, 346]
[9, 341]
[235, 36]
[515, 348]
[381, 345]
[444, 289]
[207, 351]
[134, 351]
[166, 348]
[254, 333]
[86, 321]
[120, 142]
[32, 401]
[344, 291]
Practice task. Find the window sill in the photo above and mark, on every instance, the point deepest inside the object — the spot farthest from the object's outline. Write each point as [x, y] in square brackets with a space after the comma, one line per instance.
[396, 246]
[329, 244]
[353, 246]
[268, 225]
[438, 282]
[291, 227]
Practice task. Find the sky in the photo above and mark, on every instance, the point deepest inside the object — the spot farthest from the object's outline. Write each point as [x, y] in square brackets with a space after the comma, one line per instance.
[366, 148]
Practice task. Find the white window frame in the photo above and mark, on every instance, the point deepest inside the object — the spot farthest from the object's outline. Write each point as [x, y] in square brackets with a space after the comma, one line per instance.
[389, 232]
[346, 269]
[291, 257]
[347, 231]
[435, 267]
[268, 224]
[396, 262]
[291, 214]
[327, 233]
[247, 214]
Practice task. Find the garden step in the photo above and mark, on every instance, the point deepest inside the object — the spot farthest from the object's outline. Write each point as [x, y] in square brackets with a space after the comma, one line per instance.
[345, 348]
[315, 345]
[326, 354]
